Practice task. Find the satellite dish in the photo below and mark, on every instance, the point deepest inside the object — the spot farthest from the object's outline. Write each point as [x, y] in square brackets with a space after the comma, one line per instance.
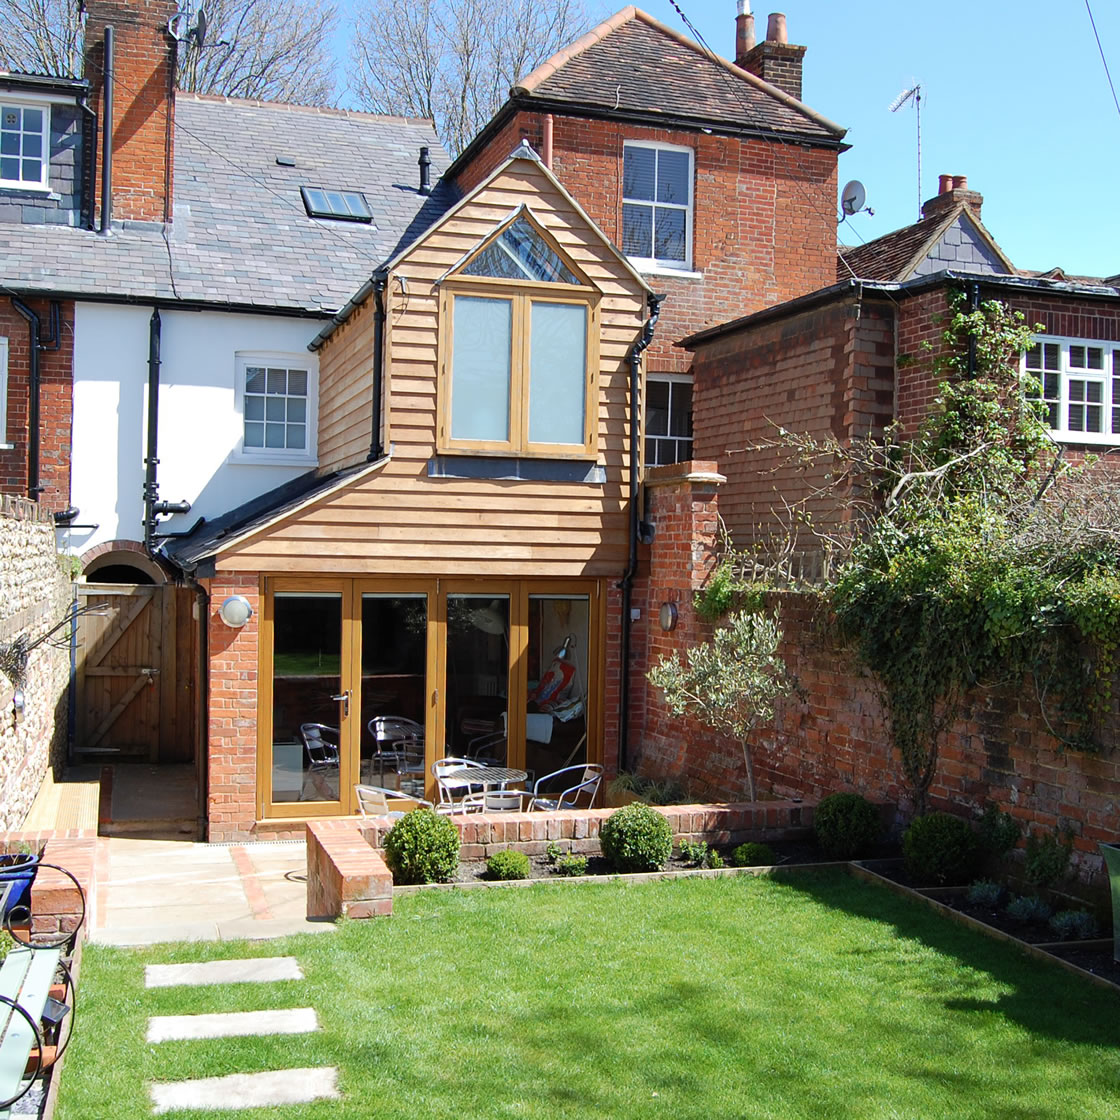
[852, 198]
[198, 32]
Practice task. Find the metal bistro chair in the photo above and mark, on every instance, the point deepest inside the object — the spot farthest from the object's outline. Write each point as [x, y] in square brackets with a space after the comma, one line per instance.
[375, 801]
[453, 791]
[321, 744]
[400, 742]
[575, 783]
[496, 801]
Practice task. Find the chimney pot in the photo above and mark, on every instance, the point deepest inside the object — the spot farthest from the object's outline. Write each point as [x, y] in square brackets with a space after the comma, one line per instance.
[944, 184]
[776, 28]
[744, 31]
[960, 182]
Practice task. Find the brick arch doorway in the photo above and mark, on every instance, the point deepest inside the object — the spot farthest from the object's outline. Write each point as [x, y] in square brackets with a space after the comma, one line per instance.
[137, 662]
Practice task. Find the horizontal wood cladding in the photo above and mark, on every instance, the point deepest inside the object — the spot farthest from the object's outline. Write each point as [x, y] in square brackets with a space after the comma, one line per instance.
[398, 519]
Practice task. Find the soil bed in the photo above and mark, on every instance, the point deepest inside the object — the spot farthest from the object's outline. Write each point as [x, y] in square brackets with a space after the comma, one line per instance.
[1097, 961]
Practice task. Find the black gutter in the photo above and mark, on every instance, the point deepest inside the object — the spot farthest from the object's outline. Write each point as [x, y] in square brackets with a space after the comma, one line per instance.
[152, 506]
[627, 581]
[168, 303]
[376, 447]
[107, 134]
[36, 346]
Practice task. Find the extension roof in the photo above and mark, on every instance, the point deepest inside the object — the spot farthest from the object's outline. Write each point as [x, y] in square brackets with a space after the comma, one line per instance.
[633, 67]
[955, 239]
[241, 236]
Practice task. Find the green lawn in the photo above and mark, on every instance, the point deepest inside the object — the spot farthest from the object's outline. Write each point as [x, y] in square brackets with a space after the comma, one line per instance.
[815, 996]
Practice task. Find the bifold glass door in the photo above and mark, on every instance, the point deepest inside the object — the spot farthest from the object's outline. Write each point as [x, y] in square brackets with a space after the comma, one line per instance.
[372, 680]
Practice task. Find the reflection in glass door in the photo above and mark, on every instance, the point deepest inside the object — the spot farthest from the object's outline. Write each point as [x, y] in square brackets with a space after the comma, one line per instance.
[394, 690]
[478, 677]
[556, 722]
[306, 696]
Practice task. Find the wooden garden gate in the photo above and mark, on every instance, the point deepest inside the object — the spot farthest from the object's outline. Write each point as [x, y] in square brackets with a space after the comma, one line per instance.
[137, 673]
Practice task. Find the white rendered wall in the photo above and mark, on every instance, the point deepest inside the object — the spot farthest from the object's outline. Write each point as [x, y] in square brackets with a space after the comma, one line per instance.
[199, 425]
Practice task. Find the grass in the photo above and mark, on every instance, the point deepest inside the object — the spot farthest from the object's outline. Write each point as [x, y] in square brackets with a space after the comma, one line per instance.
[816, 997]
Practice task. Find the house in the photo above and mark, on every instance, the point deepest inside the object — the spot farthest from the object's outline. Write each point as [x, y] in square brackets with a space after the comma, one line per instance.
[472, 528]
[163, 278]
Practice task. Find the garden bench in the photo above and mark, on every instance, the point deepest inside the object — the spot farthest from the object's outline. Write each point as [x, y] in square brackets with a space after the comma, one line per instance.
[25, 982]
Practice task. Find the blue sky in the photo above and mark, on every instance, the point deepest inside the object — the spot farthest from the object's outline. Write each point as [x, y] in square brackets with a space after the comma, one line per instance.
[1014, 95]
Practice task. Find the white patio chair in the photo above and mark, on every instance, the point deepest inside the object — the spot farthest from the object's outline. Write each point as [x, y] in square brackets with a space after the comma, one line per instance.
[496, 801]
[452, 791]
[375, 801]
[573, 787]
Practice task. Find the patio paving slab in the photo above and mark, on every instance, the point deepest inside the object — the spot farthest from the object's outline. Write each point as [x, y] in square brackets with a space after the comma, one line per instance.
[247, 1090]
[256, 970]
[232, 1024]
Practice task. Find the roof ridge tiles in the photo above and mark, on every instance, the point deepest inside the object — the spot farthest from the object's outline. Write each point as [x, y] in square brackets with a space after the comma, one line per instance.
[289, 106]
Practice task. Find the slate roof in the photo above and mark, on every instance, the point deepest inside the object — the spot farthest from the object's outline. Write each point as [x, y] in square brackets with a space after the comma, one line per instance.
[633, 63]
[240, 234]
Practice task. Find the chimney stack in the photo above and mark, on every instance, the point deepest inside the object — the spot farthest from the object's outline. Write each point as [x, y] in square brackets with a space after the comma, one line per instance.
[951, 191]
[776, 60]
[143, 104]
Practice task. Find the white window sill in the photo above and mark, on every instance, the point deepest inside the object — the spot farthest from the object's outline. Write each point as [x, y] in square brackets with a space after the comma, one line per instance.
[29, 189]
[248, 459]
[1089, 439]
[648, 268]
[7, 447]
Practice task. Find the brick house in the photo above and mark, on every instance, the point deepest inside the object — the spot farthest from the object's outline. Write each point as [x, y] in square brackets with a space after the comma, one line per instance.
[845, 361]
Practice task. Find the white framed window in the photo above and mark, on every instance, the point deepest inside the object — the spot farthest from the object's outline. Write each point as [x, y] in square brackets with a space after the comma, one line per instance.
[4, 393]
[1079, 382]
[277, 400]
[657, 205]
[668, 418]
[25, 134]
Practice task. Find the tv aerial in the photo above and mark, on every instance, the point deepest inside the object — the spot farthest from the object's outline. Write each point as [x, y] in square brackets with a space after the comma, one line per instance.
[914, 93]
[853, 199]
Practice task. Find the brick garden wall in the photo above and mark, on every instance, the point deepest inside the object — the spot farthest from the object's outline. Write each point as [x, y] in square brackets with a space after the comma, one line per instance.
[837, 738]
[34, 595]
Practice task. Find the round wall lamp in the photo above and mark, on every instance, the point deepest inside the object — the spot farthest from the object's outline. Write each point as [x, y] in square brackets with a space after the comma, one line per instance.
[667, 616]
[235, 611]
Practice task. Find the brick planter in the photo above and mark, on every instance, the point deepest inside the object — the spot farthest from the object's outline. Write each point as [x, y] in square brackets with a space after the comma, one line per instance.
[347, 875]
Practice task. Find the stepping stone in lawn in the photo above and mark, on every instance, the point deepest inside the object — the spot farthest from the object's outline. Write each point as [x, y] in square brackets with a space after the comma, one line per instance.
[247, 1090]
[257, 970]
[229, 1024]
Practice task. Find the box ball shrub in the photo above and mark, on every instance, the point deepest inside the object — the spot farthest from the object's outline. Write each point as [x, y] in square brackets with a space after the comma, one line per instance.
[636, 838]
[508, 865]
[846, 825]
[940, 848]
[422, 847]
[753, 855]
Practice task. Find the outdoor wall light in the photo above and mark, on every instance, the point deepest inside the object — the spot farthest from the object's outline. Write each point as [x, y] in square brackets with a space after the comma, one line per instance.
[18, 703]
[667, 616]
[235, 611]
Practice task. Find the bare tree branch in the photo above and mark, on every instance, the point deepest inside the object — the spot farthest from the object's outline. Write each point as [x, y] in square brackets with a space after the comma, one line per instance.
[41, 37]
[453, 63]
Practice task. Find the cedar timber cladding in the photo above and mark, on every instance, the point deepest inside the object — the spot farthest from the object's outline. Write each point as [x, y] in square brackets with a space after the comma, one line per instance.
[396, 519]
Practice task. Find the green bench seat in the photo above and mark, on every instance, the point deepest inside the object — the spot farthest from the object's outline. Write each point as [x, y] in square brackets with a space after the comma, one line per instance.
[26, 977]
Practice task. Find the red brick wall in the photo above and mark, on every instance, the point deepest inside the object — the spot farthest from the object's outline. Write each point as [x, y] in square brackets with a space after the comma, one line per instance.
[55, 404]
[231, 801]
[837, 737]
[764, 226]
[143, 104]
[826, 372]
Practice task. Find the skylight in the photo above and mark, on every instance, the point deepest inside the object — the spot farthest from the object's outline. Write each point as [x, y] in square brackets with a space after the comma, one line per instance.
[342, 206]
[520, 253]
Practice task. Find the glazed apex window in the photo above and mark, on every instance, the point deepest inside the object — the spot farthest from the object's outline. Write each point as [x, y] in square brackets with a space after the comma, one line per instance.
[521, 328]
[24, 137]
[1079, 383]
[657, 205]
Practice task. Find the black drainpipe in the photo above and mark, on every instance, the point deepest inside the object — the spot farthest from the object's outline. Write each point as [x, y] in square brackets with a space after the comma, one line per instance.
[107, 134]
[36, 345]
[627, 581]
[152, 506]
[376, 449]
[973, 305]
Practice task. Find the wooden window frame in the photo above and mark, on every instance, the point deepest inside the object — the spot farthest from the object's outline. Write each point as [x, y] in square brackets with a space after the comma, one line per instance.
[32, 101]
[655, 263]
[1108, 377]
[521, 294]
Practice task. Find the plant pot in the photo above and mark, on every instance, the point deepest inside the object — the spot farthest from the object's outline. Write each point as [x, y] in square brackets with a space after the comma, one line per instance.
[18, 868]
[1111, 853]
